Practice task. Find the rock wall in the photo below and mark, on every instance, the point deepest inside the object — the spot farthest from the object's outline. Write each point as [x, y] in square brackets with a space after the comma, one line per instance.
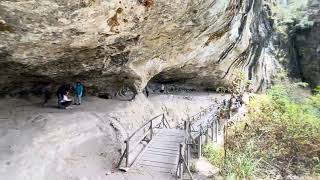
[307, 42]
[112, 43]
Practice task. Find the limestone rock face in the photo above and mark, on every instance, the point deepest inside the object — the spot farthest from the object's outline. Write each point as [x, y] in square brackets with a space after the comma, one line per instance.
[114, 43]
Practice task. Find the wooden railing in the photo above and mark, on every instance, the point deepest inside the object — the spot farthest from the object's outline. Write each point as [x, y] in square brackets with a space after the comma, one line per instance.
[209, 123]
[203, 112]
[212, 124]
[184, 154]
[200, 114]
[211, 127]
[144, 133]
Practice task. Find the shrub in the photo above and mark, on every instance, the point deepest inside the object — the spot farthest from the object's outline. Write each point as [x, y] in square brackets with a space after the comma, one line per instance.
[238, 164]
[241, 163]
[282, 129]
[293, 12]
[214, 154]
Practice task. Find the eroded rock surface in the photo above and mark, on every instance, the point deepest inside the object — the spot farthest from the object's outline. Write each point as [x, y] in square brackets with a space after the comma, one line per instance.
[112, 43]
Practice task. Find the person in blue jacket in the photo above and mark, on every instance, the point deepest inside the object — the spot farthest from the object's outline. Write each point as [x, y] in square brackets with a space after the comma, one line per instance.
[78, 92]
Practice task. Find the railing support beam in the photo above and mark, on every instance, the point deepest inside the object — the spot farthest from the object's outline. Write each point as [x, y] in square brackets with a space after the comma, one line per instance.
[212, 130]
[127, 154]
[199, 144]
[180, 161]
[151, 130]
[120, 161]
[216, 130]
[207, 135]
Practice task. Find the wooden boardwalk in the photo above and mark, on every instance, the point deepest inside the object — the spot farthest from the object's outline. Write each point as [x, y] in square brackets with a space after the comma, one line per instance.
[167, 150]
[162, 153]
[204, 122]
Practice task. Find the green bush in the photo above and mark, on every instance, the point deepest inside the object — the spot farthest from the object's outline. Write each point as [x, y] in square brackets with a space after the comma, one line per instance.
[214, 154]
[282, 129]
[317, 90]
[240, 163]
[317, 169]
[294, 12]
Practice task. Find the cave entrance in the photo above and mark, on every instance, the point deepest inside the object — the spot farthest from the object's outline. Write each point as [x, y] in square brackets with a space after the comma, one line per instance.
[174, 81]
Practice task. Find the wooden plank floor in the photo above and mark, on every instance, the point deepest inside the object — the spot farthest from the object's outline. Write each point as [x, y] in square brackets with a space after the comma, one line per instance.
[162, 153]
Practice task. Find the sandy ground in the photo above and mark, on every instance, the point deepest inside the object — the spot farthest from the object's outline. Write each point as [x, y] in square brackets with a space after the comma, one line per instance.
[84, 142]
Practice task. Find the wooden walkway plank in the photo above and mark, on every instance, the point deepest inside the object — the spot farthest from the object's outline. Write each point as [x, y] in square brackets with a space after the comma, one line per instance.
[162, 152]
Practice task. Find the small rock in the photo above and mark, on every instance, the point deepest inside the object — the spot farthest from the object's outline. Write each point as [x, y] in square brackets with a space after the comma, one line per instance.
[124, 169]
[187, 98]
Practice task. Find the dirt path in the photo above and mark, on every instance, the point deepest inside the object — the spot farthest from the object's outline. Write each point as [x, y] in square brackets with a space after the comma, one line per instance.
[83, 142]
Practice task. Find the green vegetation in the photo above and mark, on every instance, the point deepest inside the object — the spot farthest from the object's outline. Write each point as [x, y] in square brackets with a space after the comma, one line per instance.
[289, 12]
[241, 163]
[280, 134]
[290, 15]
[236, 165]
[214, 154]
[294, 12]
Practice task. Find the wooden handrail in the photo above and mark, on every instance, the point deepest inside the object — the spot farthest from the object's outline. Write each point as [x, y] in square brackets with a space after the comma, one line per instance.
[136, 131]
[204, 110]
[183, 151]
[129, 148]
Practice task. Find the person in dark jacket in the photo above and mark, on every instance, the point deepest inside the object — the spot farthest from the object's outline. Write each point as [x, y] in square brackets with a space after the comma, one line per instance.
[62, 91]
[46, 93]
[162, 88]
[78, 92]
[147, 89]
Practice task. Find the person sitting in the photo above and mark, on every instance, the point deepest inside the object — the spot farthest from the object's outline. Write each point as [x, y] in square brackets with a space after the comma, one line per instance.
[65, 102]
[62, 90]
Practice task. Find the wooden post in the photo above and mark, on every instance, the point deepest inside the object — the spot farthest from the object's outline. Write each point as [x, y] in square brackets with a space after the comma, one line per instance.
[216, 130]
[187, 155]
[225, 130]
[180, 162]
[199, 144]
[207, 134]
[187, 143]
[186, 128]
[127, 154]
[163, 124]
[151, 130]
[123, 155]
[212, 130]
